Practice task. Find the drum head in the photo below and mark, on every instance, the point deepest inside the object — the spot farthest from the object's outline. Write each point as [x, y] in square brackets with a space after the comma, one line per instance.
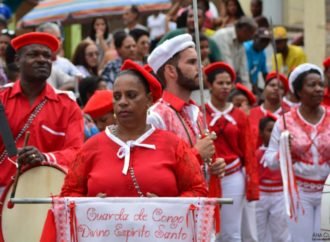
[24, 222]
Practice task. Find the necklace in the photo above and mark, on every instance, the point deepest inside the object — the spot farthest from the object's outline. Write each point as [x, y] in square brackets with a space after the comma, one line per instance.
[135, 183]
[113, 130]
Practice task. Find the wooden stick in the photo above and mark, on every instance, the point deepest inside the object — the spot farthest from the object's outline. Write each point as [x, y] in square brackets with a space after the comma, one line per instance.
[18, 172]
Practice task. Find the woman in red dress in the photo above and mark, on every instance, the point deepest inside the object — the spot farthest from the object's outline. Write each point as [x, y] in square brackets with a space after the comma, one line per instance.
[132, 158]
[273, 92]
[232, 143]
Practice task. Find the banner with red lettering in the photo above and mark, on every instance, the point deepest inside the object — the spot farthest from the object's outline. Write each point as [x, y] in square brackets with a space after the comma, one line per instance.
[133, 219]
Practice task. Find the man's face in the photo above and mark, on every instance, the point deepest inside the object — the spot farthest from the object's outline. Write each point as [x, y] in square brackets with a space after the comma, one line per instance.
[255, 8]
[128, 16]
[187, 70]
[35, 62]
[190, 20]
[245, 34]
[56, 34]
[281, 45]
[260, 44]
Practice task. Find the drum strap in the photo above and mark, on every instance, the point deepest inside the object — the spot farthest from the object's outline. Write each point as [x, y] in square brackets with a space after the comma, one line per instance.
[27, 124]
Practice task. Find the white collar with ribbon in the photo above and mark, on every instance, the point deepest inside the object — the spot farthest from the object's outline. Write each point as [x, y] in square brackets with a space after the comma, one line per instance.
[216, 114]
[125, 148]
[277, 113]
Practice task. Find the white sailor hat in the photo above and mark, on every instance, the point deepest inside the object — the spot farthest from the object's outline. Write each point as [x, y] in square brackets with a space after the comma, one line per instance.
[162, 53]
[301, 69]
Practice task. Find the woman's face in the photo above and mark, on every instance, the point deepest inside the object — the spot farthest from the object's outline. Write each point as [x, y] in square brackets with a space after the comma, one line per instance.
[239, 100]
[4, 42]
[267, 132]
[221, 86]
[232, 8]
[312, 91]
[205, 50]
[99, 25]
[102, 85]
[104, 121]
[143, 45]
[274, 90]
[92, 55]
[128, 49]
[131, 101]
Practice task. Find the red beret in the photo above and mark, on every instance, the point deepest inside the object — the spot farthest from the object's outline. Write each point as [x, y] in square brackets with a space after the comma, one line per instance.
[220, 65]
[147, 68]
[99, 104]
[283, 79]
[326, 63]
[270, 115]
[36, 38]
[250, 96]
[154, 84]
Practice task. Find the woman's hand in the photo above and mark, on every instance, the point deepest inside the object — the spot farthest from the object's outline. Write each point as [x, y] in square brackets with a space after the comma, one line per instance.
[149, 194]
[218, 167]
[101, 195]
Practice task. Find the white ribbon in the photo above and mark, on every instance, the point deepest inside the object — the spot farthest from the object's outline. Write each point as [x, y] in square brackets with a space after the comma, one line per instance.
[218, 115]
[125, 152]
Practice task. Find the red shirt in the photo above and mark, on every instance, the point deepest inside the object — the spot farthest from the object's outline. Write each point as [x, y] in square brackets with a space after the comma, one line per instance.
[168, 170]
[256, 114]
[326, 99]
[57, 130]
[234, 141]
[270, 180]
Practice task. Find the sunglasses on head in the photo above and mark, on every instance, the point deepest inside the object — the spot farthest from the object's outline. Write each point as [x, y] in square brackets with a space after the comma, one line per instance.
[9, 32]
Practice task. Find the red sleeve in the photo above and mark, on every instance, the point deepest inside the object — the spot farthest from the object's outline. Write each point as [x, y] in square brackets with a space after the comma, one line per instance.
[249, 160]
[73, 142]
[75, 183]
[189, 177]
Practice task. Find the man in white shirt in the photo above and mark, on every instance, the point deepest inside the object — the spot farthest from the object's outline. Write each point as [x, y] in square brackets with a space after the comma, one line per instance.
[230, 42]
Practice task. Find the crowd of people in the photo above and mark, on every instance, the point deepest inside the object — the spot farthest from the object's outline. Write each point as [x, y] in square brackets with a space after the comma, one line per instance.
[121, 118]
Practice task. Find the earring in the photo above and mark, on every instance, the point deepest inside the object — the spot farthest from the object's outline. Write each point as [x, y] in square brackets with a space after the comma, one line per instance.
[114, 116]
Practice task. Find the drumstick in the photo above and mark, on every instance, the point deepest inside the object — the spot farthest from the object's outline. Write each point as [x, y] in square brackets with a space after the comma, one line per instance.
[10, 205]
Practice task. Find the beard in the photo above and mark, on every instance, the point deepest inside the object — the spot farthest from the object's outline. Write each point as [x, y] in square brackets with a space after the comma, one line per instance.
[186, 82]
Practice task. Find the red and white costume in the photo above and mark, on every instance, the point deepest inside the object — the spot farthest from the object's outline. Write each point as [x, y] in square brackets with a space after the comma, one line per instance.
[271, 217]
[163, 164]
[287, 104]
[326, 99]
[232, 144]
[310, 153]
[57, 130]
[175, 115]
[256, 114]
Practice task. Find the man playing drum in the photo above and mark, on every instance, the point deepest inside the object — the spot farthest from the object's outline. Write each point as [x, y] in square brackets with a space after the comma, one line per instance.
[52, 117]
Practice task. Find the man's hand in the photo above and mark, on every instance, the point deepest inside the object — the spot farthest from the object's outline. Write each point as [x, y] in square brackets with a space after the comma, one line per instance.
[218, 167]
[205, 147]
[29, 155]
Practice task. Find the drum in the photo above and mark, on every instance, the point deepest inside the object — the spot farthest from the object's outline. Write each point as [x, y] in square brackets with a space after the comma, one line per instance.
[24, 222]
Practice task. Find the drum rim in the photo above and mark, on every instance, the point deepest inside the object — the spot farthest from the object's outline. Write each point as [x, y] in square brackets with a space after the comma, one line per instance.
[9, 185]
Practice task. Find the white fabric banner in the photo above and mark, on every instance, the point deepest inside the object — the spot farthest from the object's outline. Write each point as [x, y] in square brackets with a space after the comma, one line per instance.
[134, 219]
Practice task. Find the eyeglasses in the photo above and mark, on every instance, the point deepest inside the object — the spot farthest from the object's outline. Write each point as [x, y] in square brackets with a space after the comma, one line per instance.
[91, 54]
[9, 32]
